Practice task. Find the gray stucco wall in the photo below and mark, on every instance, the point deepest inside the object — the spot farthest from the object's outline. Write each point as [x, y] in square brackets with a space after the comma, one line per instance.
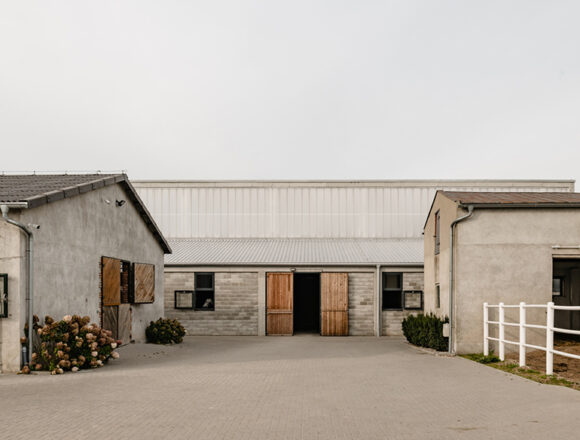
[74, 234]
[12, 263]
[506, 255]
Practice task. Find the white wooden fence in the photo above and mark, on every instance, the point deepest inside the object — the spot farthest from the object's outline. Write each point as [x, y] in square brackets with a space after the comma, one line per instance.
[523, 325]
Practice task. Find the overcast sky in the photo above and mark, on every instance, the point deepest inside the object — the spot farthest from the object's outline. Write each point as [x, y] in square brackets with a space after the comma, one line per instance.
[292, 89]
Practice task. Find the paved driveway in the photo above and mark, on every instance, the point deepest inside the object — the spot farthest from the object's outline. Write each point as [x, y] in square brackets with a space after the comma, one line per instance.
[302, 387]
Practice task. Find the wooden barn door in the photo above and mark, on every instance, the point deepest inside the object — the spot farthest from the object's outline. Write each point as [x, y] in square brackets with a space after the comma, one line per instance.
[334, 304]
[279, 304]
[111, 294]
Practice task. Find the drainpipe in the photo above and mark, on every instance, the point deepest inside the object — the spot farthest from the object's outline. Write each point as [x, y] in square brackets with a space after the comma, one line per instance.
[379, 301]
[451, 317]
[29, 287]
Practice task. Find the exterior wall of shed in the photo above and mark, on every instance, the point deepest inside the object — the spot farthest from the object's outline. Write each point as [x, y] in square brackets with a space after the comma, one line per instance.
[240, 299]
[506, 255]
[436, 266]
[12, 262]
[74, 234]
[371, 209]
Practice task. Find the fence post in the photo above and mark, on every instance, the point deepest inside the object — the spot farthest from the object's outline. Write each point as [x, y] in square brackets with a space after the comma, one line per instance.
[550, 339]
[501, 332]
[522, 334]
[485, 330]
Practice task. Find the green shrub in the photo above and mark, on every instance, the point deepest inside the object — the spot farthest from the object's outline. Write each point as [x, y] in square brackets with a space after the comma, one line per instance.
[165, 331]
[426, 331]
[71, 344]
[482, 359]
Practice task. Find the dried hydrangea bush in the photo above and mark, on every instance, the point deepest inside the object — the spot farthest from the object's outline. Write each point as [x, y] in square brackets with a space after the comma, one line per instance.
[71, 344]
[165, 331]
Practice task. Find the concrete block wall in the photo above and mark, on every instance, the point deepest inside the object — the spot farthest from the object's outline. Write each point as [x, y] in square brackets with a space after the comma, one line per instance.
[236, 304]
[393, 319]
[361, 304]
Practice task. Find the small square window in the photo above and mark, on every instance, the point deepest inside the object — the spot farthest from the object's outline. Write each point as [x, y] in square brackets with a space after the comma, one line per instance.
[413, 299]
[184, 299]
[203, 281]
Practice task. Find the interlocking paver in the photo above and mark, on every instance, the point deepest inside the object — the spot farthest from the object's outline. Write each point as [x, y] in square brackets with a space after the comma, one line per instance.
[301, 387]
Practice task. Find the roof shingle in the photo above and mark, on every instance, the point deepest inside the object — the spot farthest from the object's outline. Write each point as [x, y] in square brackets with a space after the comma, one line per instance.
[514, 198]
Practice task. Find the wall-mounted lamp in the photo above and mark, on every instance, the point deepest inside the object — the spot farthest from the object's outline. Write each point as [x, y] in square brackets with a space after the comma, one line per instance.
[119, 202]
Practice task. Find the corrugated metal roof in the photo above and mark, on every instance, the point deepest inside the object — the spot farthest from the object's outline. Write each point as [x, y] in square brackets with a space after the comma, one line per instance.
[513, 198]
[263, 251]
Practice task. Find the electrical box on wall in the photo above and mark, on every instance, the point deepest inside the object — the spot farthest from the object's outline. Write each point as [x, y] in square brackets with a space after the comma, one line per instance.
[446, 330]
[3, 295]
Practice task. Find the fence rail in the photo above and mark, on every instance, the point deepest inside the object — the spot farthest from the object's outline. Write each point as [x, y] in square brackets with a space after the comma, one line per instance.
[523, 325]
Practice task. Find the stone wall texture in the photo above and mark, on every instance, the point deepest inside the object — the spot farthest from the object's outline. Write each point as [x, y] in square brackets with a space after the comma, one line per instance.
[236, 304]
[393, 319]
[361, 304]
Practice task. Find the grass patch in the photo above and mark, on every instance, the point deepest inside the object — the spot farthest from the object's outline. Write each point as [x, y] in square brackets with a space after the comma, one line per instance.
[525, 372]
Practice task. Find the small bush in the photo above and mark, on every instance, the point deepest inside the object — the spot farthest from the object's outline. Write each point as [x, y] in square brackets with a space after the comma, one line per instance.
[426, 331]
[165, 331]
[71, 344]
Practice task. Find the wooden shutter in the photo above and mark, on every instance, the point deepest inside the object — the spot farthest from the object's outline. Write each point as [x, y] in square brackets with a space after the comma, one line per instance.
[144, 283]
[279, 301]
[111, 284]
[334, 304]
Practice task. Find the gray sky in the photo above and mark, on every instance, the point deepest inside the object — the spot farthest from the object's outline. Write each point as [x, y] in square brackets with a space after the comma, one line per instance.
[292, 89]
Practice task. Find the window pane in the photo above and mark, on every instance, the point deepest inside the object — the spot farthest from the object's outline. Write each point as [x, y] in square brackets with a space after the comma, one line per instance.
[183, 299]
[204, 281]
[204, 300]
[392, 281]
[556, 286]
[437, 296]
[392, 300]
[413, 299]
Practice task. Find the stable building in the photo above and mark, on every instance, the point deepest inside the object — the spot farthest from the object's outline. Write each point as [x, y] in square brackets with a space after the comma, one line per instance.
[80, 244]
[289, 257]
[502, 247]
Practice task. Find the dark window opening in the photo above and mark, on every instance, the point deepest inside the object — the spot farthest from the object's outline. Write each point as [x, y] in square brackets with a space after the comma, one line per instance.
[437, 232]
[392, 291]
[437, 296]
[3, 295]
[307, 302]
[204, 291]
[126, 290]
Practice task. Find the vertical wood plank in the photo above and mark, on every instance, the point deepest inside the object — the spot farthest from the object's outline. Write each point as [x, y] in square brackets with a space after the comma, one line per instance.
[334, 304]
[111, 287]
[279, 304]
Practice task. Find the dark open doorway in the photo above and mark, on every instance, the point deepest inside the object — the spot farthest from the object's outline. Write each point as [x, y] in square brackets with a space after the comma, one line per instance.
[306, 303]
[566, 292]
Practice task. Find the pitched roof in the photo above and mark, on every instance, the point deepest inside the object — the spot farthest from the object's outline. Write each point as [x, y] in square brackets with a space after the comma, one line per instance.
[294, 251]
[507, 199]
[32, 190]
